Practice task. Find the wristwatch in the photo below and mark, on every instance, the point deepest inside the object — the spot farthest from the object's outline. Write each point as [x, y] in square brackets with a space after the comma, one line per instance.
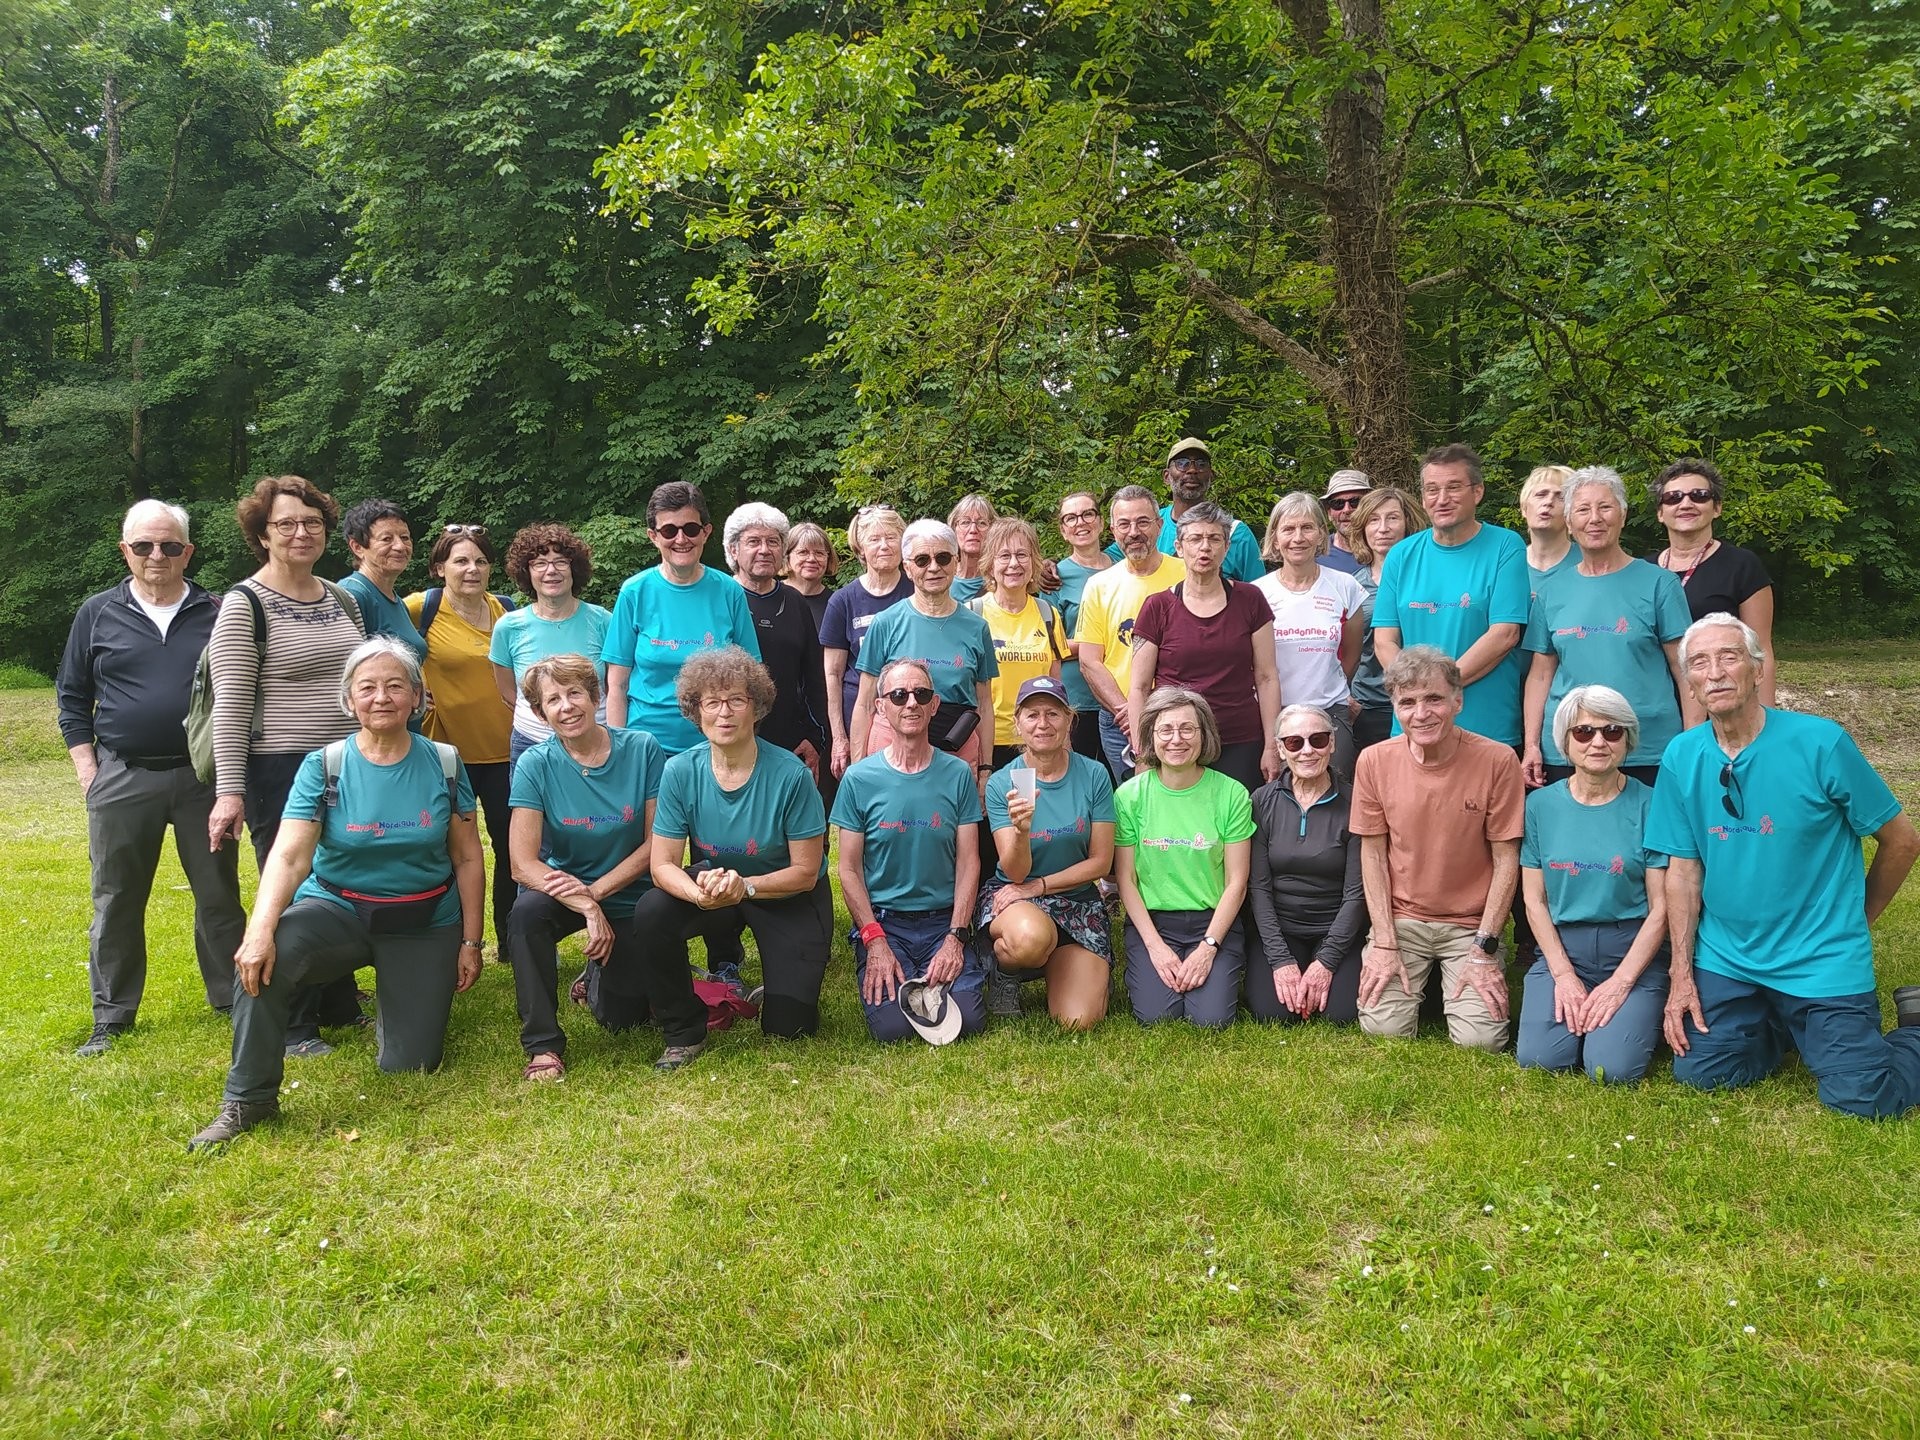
[1209, 940]
[751, 892]
[1489, 942]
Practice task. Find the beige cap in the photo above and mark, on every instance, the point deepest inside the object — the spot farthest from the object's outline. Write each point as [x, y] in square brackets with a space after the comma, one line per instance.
[1343, 482]
[1190, 443]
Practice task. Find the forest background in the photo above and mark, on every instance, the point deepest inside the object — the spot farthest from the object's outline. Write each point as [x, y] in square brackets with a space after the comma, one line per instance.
[504, 260]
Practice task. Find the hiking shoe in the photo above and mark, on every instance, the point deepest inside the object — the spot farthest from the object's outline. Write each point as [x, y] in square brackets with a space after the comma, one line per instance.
[105, 1032]
[1003, 994]
[312, 1048]
[236, 1117]
[1906, 1007]
[678, 1057]
[728, 974]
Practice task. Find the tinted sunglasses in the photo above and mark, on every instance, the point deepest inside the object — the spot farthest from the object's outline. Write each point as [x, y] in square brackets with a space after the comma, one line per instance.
[941, 558]
[1674, 497]
[1341, 502]
[919, 694]
[1583, 734]
[692, 529]
[465, 530]
[1319, 740]
[1734, 802]
[172, 549]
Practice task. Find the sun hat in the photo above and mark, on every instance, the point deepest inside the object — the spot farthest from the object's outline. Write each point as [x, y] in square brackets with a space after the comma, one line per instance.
[931, 1011]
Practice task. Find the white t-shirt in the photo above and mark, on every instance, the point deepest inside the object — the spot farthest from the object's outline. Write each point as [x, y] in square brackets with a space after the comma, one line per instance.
[1306, 636]
[161, 615]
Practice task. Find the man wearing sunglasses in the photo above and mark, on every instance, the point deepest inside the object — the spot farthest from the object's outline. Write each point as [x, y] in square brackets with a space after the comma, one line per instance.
[1344, 491]
[1769, 904]
[1189, 477]
[122, 689]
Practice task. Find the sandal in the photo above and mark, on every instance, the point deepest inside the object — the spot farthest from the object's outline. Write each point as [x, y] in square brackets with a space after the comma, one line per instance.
[577, 992]
[545, 1066]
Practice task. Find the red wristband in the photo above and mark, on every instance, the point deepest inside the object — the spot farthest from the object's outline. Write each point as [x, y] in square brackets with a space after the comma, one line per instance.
[871, 932]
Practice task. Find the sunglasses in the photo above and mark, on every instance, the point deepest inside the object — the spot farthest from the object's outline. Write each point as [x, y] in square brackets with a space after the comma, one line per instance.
[172, 549]
[1342, 502]
[1674, 497]
[1583, 734]
[465, 530]
[1319, 740]
[938, 558]
[919, 694]
[1733, 801]
[692, 529]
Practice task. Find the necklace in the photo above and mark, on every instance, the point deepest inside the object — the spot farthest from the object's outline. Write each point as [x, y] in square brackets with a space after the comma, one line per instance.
[588, 766]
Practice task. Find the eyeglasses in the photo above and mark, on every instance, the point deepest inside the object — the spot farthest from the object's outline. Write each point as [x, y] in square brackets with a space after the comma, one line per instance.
[1175, 732]
[1583, 734]
[172, 549]
[940, 559]
[315, 526]
[1341, 502]
[1319, 740]
[1078, 517]
[1189, 461]
[692, 529]
[550, 562]
[1734, 802]
[919, 694]
[1674, 497]
[715, 704]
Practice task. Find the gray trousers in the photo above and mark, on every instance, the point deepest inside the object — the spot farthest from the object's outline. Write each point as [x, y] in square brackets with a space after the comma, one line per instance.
[1216, 999]
[128, 812]
[317, 941]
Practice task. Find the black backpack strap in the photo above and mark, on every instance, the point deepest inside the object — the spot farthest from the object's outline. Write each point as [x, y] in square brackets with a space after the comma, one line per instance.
[430, 607]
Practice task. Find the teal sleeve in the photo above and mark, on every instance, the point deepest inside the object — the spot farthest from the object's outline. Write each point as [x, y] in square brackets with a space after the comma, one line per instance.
[998, 784]
[309, 785]
[803, 815]
[463, 787]
[655, 768]
[672, 816]
[1512, 596]
[1386, 595]
[1536, 638]
[529, 789]
[1856, 787]
[1668, 830]
[1670, 613]
[1530, 842]
[499, 647]
[1243, 555]
[1102, 807]
[617, 648]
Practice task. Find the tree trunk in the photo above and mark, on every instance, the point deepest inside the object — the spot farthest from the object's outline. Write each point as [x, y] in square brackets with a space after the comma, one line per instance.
[105, 291]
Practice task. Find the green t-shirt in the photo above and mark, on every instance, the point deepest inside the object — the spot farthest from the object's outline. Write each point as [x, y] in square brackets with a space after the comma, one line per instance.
[1180, 836]
[387, 836]
[592, 820]
[957, 649]
[1592, 857]
[911, 824]
[1064, 814]
[744, 830]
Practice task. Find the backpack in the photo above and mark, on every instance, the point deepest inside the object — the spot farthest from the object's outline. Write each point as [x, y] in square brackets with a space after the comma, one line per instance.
[199, 722]
[978, 605]
[430, 607]
[334, 756]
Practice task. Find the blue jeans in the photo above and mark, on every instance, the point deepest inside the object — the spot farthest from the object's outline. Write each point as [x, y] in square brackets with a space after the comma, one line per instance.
[914, 939]
[1620, 1050]
[1118, 749]
[1860, 1070]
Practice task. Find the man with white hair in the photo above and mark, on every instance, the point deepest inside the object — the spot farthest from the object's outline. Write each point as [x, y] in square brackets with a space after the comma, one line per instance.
[1769, 903]
[122, 690]
[755, 539]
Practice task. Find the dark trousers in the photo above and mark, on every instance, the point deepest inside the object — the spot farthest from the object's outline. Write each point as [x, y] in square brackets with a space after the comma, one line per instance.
[491, 784]
[1617, 1053]
[639, 981]
[1343, 996]
[1242, 761]
[317, 941]
[1372, 725]
[1086, 735]
[269, 780]
[1213, 1002]
[794, 934]
[128, 812]
[915, 938]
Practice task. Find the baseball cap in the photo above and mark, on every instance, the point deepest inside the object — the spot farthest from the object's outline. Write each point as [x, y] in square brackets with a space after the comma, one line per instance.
[1190, 443]
[1043, 687]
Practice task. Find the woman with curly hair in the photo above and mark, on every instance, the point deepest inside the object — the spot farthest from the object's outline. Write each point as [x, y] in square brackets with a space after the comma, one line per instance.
[553, 565]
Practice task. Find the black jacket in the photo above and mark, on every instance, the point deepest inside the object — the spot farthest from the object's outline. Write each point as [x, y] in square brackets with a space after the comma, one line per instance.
[1305, 876]
[123, 686]
[790, 649]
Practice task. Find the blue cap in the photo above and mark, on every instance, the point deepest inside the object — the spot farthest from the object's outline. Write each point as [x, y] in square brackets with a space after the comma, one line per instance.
[1046, 688]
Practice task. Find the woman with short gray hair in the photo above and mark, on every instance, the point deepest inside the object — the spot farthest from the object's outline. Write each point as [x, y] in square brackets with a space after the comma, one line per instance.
[1609, 619]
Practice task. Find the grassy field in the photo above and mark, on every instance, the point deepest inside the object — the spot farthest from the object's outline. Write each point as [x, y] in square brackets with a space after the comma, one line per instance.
[1260, 1232]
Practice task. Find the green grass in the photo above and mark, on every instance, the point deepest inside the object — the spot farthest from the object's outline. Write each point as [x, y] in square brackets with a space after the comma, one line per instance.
[14, 676]
[1260, 1232]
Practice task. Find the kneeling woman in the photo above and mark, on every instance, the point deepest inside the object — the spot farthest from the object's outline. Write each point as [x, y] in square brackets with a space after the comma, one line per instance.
[377, 862]
[909, 819]
[582, 806]
[1182, 838]
[752, 815]
[1597, 900]
[1052, 817]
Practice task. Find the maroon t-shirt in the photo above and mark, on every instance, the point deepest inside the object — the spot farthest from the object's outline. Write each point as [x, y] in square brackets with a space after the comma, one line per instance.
[1212, 655]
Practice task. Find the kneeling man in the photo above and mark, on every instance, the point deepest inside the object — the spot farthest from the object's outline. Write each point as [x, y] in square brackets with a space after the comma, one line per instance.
[1768, 901]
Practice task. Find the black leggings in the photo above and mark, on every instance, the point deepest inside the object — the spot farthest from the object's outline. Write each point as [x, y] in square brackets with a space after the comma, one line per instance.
[332, 1002]
[1343, 996]
[794, 934]
[491, 784]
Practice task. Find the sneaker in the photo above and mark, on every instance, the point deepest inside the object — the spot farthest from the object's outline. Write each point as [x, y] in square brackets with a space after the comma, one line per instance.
[678, 1057]
[236, 1117]
[1906, 1007]
[577, 992]
[728, 974]
[105, 1032]
[311, 1048]
[1003, 994]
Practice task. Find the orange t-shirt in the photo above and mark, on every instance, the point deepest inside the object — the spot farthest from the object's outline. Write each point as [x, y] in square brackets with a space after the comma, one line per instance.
[1440, 822]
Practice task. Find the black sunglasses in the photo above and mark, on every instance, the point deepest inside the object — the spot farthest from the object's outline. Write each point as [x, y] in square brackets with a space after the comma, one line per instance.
[692, 529]
[919, 694]
[1319, 740]
[1733, 800]
[1674, 497]
[941, 558]
[172, 549]
[1341, 502]
[1583, 734]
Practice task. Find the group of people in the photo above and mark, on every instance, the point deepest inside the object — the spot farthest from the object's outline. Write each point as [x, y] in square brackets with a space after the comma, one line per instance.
[1302, 772]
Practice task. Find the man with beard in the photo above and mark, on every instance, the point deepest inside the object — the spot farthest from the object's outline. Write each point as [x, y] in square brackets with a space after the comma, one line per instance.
[1108, 608]
[1189, 477]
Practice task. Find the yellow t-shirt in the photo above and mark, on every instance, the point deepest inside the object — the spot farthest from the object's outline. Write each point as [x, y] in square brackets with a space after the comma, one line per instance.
[467, 711]
[1111, 603]
[1024, 650]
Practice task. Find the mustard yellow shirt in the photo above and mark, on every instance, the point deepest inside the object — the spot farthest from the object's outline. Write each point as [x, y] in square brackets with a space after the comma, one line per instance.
[1024, 650]
[467, 711]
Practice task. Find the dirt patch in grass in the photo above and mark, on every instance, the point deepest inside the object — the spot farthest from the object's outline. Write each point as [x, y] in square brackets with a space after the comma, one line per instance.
[1875, 694]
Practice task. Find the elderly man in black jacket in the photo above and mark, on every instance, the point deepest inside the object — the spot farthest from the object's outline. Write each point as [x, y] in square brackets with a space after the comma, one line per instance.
[123, 688]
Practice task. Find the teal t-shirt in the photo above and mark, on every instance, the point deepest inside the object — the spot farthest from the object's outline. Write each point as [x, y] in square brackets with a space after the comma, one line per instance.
[657, 627]
[1609, 630]
[1180, 837]
[381, 616]
[592, 820]
[745, 830]
[1073, 584]
[1784, 884]
[957, 649]
[1064, 813]
[388, 835]
[966, 587]
[911, 824]
[1449, 596]
[521, 639]
[1566, 562]
[1593, 858]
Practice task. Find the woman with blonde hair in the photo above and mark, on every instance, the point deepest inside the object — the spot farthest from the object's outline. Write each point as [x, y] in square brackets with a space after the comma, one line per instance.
[1543, 509]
